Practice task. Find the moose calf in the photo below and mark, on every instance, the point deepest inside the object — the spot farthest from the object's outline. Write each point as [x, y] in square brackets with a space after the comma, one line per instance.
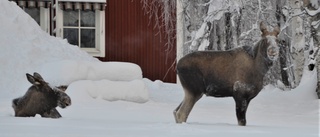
[41, 99]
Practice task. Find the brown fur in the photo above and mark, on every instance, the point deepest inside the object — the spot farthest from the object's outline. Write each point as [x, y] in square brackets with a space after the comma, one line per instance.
[236, 73]
[40, 99]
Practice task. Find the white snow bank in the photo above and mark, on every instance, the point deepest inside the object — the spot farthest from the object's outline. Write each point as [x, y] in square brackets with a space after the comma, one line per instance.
[134, 91]
[68, 71]
[25, 48]
[159, 91]
[307, 87]
[306, 91]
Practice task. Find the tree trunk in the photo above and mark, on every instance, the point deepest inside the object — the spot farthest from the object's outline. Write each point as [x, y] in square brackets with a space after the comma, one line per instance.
[228, 26]
[283, 45]
[297, 42]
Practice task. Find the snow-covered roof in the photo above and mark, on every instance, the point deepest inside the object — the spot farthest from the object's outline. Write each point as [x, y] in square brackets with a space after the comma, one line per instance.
[95, 1]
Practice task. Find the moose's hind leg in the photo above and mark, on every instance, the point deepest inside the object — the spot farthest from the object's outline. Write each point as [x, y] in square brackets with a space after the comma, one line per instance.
[175, 112]
[182, 112]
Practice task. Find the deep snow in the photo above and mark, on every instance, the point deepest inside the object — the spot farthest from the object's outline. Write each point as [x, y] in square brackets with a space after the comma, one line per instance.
[144, 107]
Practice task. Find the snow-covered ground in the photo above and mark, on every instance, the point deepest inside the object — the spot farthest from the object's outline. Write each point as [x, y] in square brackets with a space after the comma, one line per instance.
[112, 99]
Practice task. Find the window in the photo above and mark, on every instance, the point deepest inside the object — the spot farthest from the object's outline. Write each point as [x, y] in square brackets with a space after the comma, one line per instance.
[38, 10]
[83, 28]
[34, 13]
[79, 28]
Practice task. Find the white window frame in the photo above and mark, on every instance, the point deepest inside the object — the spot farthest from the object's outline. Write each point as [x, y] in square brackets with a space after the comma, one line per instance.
[45, 19]
[99, 51]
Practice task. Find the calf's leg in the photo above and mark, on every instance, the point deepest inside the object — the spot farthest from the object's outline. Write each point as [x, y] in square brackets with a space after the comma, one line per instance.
[53, 113]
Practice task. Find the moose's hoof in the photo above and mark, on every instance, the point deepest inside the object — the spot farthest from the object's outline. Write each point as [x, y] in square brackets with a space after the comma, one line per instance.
[178, 118]
[175, 116]
[242, 122]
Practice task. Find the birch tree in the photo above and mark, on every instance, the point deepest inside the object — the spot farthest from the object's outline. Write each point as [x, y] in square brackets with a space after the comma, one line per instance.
[298, 40]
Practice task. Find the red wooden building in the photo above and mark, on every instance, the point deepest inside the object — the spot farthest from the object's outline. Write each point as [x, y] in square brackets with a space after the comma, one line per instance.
[111, 30]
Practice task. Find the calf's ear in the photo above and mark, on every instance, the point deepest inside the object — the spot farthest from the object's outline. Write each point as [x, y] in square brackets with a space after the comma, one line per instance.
[32, 80]
[37, 76]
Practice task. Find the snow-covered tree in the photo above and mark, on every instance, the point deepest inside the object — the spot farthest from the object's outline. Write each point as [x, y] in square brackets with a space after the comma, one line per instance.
[298, 39]
[312, 9]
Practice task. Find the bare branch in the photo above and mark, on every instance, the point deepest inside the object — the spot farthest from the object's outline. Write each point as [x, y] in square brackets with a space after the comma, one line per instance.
[163, 13]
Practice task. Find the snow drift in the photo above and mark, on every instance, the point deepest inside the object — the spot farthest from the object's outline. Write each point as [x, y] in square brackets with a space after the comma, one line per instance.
[25, 48]
[134, 91]
[58, 72]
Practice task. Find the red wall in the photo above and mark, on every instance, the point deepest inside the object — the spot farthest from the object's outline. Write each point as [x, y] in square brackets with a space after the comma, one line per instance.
[132, 37]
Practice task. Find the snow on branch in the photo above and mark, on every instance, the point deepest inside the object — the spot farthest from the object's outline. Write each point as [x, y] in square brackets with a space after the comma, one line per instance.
[206, 4]
[312, 12]
[215, 12]
[290, 15]
[315, 24]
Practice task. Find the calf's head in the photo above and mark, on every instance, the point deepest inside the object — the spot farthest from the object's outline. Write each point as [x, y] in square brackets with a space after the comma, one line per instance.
[63, 99]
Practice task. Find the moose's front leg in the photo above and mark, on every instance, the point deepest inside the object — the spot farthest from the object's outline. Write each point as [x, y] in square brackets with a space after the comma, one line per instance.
[241, 109]
[53, 113]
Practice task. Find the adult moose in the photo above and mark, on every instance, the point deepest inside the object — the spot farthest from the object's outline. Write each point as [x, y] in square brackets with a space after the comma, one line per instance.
[236, 73]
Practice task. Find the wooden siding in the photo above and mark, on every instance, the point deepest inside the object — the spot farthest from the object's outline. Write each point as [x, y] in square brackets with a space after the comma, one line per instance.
[131, 37]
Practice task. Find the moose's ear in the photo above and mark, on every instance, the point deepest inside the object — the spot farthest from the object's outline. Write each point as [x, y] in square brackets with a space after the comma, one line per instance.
[37, 76]
[276, 31]
[32, 80]
[263, 29]
[62, 87]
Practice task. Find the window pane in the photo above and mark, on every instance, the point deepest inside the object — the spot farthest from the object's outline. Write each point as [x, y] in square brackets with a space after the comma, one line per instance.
[70, 18]
[34, 13]
[72, 35]
[87, 38]
[87, 18]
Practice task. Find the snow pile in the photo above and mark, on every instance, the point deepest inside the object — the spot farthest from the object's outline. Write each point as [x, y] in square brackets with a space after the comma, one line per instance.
[134, 91]
[84, 70]
[25, 48]
[110, 81]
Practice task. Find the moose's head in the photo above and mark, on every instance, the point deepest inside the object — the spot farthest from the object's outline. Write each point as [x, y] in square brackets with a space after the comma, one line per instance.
[270, 39]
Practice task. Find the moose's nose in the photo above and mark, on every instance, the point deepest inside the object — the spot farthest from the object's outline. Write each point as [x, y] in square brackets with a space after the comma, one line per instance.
[273, 52]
